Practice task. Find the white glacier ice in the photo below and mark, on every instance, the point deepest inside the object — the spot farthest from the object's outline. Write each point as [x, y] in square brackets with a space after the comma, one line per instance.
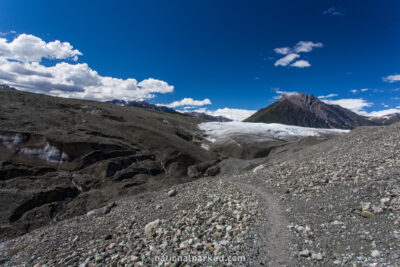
[218, 132]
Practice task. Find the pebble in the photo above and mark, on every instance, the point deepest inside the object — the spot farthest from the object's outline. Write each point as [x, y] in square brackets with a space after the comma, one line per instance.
[375, 253]
[305, 253]
[172, 192]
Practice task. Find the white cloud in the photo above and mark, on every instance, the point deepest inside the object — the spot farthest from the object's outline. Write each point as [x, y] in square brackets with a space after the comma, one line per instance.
[383, 112]
[230, 113]
[282, 50]
[21, 68]
[392, 78]
[29, 48]
[306, 46]
[327, 96]
[293, 53]
[354, 104]
[2, 34]
[280, 93]
[188, 102]
[355, 91]
[333, 11]
[286, 60]
[301, 64]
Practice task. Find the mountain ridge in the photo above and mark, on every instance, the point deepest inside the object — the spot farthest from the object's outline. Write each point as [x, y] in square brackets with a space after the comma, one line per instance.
[305, 110]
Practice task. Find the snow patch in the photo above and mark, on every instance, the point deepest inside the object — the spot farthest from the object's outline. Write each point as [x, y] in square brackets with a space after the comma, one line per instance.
[48, 153]
[219, 132]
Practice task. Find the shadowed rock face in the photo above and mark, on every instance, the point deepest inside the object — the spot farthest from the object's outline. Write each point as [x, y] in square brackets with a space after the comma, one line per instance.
[308, 111]
[63, 157]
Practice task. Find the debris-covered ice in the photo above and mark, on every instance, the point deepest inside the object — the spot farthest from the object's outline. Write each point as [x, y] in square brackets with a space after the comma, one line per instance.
[49, 153]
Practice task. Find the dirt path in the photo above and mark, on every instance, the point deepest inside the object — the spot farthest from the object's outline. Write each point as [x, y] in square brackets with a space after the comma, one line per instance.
[273, 234]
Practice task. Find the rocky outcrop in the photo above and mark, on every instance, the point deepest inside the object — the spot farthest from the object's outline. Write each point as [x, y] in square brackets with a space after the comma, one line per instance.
[62, 157]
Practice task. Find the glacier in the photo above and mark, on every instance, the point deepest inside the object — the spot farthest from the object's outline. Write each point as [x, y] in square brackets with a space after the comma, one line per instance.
[249, 132]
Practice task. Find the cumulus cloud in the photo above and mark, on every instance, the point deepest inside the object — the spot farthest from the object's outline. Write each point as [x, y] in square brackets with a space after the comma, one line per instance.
[327, 96]
[20, 66]
[187, 101]
[291, 53]
[333, 11]
[282, 50]
[230, 113]
[29, 48]
[356, 105]
[392, 78]
[306, 46]
[301, 64]
[286, 60]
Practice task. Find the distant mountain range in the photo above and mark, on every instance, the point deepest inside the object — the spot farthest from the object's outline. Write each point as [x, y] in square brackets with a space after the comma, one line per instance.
[141, 104]
[387, 119]
[147, 105]
[308, 111]
[207, 117]
[296, 109]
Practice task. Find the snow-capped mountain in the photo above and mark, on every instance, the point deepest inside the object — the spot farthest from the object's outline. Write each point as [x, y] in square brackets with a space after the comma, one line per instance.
[386, 119]
[141, 104]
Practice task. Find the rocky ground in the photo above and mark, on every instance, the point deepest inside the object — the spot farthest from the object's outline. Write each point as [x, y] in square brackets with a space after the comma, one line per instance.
[329, 202]
[210, 221]
[342, 198]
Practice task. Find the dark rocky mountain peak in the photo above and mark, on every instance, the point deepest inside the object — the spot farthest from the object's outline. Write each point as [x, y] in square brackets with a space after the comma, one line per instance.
[305, 110]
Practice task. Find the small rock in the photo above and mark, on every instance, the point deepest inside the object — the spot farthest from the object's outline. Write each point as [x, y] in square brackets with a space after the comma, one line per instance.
[317, 256]
[305, 253]
[172, 193]
[108, 208]
[134, 259]
[149, 229]
[375, 253]
[366, 214]
[98, 258]
[385, 200]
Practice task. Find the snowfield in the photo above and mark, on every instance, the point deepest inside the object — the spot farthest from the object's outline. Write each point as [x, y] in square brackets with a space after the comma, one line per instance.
[249, 132]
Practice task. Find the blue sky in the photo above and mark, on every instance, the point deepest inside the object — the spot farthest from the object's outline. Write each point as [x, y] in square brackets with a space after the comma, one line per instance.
[208, 51]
